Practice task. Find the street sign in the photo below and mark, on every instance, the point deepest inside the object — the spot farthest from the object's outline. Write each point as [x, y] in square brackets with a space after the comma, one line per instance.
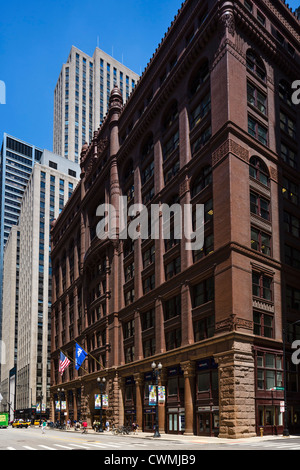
[276, 389]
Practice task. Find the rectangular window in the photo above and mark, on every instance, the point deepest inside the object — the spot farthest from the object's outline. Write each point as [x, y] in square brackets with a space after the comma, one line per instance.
[263, 325]
[172, 307]
[257, 130]
[203, 292]
[290, 191]
[262, 286]
[260, 241]
[259, 206]
[204, 328]
[288, 125]
[256, 98]
[291, 224]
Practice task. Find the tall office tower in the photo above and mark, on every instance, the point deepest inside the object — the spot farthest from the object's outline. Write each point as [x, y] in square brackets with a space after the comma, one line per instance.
[10, 319]
[48, 190]
[81, 98]
[17, 161]
[221, 130]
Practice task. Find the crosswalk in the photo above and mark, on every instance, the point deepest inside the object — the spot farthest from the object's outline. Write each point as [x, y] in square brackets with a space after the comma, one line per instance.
[82, 446]
[271, 445]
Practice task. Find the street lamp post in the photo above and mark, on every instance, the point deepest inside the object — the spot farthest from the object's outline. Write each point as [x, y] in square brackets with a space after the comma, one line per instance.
[101, 383]
[41, 400]
[156, 371]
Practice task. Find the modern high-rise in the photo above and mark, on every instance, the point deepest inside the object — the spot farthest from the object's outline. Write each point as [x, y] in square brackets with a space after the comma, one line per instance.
[17, 161]
[51, 184]
[220, 129]
[81, 98]
[10, 319]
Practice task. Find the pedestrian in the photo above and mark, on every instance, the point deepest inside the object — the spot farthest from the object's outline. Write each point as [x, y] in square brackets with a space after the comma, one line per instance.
[68, 425]
[44, 425]
[84, 425]
[107, 426]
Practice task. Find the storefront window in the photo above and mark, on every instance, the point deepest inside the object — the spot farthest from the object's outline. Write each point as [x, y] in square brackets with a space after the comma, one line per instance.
[269, 371]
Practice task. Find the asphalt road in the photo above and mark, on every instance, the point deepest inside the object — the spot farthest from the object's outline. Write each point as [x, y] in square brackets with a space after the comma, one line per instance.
[116, 446]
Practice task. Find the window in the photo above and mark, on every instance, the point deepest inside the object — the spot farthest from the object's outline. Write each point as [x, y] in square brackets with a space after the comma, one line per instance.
[206, 250]
[149, 347]
[203, 180]
[204, 328]
[256, 98]
[171, 116]
[290, 191]
[172, 307]
[199, 78]
[259, 206]
[293, 298]
[269, 371]
[171, 145]
[129, 354]
[249, 5]
[292, 256]
[285, 92]
[203, 292]
[200, 111]
[260, 241]
[149, 256]
[148, 172]
[288, 155]
[262, 286]
[291, 224]
[149, 283]
[129, 272]
[148, 319]
[129, 297]
[288, 125]
[263, 325]
[201, 141]
[256, 65]
[173, 339]
[173, 268]
[129, 329]
[259, 171]
[72, 173]
[257, 130]
[261, 18]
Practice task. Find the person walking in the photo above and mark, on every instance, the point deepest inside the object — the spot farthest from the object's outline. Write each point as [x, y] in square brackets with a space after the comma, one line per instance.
[44, 425]
[84, 425]
[107, 426]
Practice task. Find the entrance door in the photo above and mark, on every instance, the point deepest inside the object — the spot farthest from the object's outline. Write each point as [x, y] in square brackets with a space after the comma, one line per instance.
[173, 423]
[204, 424]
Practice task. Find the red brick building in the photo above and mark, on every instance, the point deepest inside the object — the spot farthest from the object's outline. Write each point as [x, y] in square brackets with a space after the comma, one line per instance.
[210, 122]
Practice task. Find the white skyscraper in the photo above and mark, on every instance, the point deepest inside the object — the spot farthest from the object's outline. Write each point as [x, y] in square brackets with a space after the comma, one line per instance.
[48, 190]
[81, 98]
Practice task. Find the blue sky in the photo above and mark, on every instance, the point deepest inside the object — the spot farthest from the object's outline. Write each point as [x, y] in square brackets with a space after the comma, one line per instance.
[35, 40]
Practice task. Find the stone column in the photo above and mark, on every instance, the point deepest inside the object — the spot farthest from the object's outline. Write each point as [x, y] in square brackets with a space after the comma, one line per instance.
[162, 381]
[75, 407]
[139, 385]
[160, 343]
[237, 391]
[189, 392]
[138, 344]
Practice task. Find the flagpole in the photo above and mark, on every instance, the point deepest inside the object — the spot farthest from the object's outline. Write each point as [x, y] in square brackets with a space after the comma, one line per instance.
[70, 359]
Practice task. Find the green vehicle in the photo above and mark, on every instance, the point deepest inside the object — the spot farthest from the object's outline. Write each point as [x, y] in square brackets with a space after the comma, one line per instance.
[3, 420]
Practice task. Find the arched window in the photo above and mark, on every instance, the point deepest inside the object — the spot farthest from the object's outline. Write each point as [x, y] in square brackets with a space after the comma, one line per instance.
[203, 180]
[256, 65]
[259, 171]
[199, 78]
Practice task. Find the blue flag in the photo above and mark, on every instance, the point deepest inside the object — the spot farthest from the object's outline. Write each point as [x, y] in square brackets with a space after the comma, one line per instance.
[80, 356]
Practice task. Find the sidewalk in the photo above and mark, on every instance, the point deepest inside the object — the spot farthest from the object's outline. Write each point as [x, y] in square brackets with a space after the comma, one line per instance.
[195, 439]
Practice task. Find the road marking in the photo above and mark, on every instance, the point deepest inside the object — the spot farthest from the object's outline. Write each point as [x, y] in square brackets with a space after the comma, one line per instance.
[96, 445]
[11, 448]
[29, 448]
[63, 447]
[77, 445]
[46, 447]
